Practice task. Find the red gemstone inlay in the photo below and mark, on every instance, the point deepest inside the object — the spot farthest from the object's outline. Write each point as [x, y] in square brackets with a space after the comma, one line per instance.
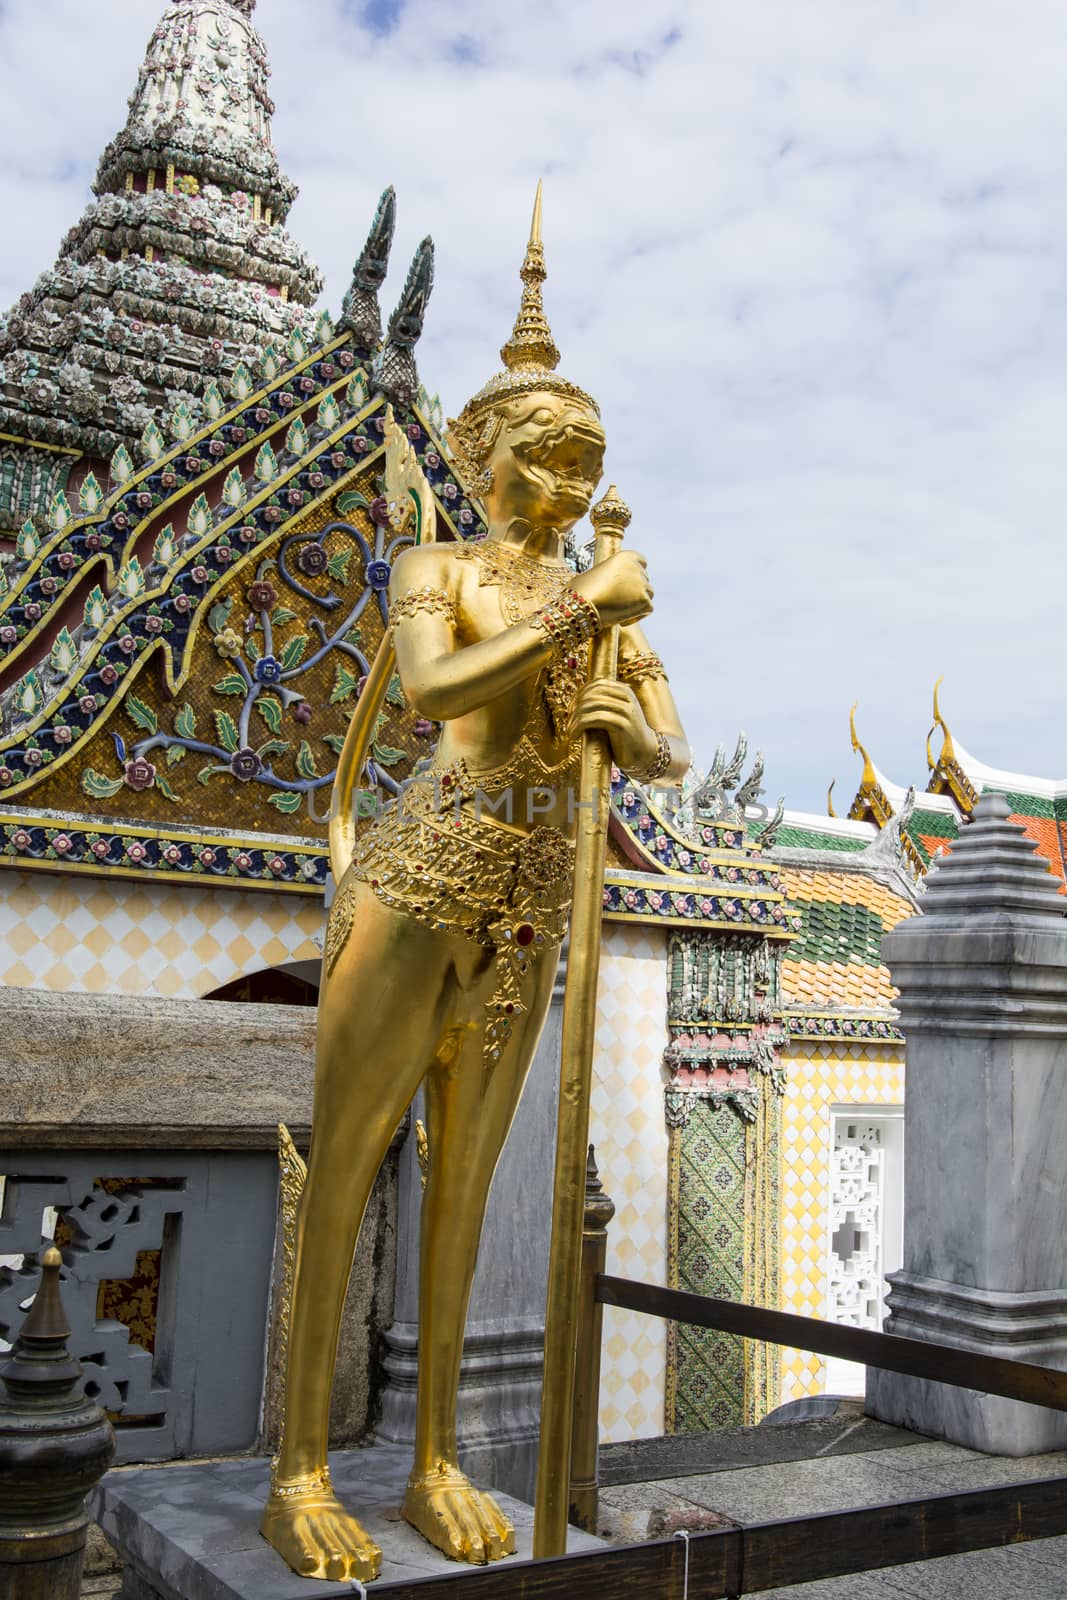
[524, 933]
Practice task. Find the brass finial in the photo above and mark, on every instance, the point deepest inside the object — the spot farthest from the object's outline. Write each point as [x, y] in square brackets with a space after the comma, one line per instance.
[40, 1359]
[531, 347]
[611, 510]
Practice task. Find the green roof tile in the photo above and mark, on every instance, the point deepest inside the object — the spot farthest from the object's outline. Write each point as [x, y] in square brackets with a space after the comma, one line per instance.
[1024, 805]
[831, 931]
[813, 839]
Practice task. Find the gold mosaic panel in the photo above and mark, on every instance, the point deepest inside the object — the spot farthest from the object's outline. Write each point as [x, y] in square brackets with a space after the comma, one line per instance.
[223, 801]
[819, 1076]
[628, 1128]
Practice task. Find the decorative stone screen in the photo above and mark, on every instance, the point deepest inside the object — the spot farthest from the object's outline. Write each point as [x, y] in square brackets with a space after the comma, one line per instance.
[166, 1284]
[863, 1225]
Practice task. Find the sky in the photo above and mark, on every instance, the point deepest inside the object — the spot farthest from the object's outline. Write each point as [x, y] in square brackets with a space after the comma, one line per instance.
[808, 257]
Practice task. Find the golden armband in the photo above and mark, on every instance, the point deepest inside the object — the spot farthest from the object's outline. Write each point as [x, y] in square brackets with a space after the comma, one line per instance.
[426, 599]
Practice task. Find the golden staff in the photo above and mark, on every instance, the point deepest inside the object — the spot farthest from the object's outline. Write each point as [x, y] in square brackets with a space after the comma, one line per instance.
[610, 517]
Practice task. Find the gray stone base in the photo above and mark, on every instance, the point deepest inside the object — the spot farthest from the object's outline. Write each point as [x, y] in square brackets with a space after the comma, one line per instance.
[499, 1403]
[1017, 1327]
[192, 1532]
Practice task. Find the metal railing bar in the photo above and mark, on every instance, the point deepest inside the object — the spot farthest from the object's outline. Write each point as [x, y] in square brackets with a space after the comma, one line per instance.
[1014, 1380]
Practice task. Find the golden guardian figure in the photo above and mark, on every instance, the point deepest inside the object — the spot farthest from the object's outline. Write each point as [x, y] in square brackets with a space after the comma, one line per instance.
[451, 907]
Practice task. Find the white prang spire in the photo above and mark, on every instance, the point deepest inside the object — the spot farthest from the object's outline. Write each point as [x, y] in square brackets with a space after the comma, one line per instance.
[201, 105]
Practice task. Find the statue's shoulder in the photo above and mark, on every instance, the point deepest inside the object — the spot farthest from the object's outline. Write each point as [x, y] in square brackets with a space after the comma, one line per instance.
[422, 564]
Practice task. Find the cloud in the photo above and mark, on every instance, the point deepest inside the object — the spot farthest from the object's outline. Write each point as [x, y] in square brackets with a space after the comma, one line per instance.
[809, 259]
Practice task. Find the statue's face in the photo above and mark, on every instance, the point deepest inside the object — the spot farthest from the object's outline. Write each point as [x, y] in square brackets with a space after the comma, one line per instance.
[546, 461]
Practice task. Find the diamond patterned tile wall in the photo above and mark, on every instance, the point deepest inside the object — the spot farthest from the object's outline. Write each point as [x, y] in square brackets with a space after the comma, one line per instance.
[66, 935]
[819, 1077]
[61, 934]
[628, 1128]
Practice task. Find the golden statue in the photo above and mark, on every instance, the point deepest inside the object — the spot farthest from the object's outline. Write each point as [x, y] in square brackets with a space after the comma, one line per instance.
[443, 940]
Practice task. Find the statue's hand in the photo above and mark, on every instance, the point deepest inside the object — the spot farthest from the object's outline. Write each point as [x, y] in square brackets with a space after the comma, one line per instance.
[614, 708]
[619, 588]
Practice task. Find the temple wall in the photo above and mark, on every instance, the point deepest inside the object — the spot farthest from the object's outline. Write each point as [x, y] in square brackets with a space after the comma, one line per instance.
[628, 1128]
[820, 1078]
[69, 935]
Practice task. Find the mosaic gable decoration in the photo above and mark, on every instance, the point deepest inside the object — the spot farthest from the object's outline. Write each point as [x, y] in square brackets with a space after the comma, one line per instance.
[180, 656]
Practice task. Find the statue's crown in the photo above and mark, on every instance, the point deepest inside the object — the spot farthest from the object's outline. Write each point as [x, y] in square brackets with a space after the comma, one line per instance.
[530, 359]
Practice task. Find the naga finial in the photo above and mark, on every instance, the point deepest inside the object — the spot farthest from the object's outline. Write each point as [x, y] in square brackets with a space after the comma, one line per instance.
[395, 373]
[360, 312]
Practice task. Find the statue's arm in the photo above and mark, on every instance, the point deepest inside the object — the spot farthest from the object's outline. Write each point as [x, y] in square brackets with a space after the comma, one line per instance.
[642, 669]
[442, 677]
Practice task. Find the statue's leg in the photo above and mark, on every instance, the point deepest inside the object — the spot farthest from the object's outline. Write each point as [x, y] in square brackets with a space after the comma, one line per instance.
[379, 1021]
[468, 1115]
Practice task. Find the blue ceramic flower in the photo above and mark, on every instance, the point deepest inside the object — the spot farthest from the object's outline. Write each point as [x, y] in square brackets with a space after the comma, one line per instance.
[267, 670]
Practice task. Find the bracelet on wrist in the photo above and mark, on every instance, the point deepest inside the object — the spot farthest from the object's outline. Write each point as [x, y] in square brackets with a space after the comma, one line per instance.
[660, 762]
[569, 621]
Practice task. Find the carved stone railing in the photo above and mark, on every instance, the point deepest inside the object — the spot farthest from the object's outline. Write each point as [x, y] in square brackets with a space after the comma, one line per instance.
[141, 1134]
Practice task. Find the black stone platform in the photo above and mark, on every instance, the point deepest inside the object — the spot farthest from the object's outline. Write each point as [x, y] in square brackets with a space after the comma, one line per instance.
[191, 1532]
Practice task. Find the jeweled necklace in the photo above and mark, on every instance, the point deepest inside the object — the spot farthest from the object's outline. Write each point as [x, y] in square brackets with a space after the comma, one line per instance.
[525, 582]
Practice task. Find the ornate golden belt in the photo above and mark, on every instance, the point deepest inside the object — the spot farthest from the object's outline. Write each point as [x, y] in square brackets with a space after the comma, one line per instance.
[462, 873]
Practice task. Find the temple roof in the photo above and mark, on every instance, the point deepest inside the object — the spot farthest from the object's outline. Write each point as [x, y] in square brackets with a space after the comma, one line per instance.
[956, 782]
[178, 270]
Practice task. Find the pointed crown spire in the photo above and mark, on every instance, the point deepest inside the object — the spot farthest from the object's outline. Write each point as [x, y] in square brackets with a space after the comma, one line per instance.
[531, 347]
[530, 359]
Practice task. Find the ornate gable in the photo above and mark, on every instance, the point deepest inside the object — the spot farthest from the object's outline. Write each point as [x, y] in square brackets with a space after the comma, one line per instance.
[180, 659]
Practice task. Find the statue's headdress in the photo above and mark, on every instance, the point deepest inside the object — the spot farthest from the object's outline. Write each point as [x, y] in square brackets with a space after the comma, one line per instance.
[530, 359]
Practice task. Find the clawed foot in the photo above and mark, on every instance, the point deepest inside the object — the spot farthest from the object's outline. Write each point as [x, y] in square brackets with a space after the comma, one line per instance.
[316, 1537]
[458, 1519]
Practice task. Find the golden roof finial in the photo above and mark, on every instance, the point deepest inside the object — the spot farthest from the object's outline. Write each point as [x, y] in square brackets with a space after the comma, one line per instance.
[830, 812]
[869, 780]
[948, 749]
[531, 347]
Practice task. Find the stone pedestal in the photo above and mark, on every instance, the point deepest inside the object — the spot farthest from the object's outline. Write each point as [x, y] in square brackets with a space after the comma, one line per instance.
[191, 1531]
[983, 1000]
[500, 1380]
